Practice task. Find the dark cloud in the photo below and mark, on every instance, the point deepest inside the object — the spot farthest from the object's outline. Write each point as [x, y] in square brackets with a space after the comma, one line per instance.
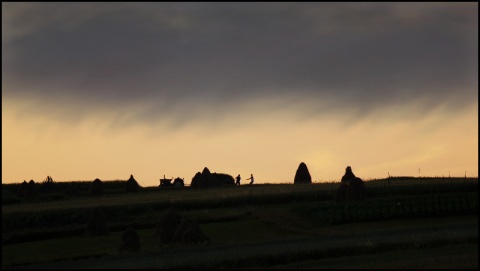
[212, 57]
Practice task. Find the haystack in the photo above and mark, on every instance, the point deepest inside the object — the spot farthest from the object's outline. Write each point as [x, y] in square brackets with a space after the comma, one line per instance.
[207, 179]
[167, 226]
[97, 224]
[97, 187]
[131, 185]
[302, 175]
[130, 241]
[356, 189]
[189, 232]
[177, 229]
[351, 188]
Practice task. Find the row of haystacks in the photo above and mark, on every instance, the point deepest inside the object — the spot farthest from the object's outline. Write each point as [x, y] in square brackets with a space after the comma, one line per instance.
[97, 226]
[30, 189]
[207, 179]
[172, 228]
[351, 187]
[27, 190]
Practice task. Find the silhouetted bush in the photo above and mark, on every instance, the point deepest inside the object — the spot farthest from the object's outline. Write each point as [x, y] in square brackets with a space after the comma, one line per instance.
[302, 175]
[97, 224]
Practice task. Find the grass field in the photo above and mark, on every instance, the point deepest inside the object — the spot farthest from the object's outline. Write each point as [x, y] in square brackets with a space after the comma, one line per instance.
[407, 223]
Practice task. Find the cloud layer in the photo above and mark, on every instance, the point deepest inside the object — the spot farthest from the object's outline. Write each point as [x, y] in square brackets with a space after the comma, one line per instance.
[186, 61]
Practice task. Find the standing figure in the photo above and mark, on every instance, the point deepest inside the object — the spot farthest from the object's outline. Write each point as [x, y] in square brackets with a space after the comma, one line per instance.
[251, 178]
[238, 180]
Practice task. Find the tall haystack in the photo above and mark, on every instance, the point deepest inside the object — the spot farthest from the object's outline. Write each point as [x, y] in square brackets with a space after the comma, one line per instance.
[302, 175]
[167, 226]
[131, 185]
[348, 176]
[351, 188]
[96, 223]
[196, 180]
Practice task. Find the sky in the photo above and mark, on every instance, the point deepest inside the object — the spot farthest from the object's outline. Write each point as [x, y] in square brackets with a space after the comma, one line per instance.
[105, 90]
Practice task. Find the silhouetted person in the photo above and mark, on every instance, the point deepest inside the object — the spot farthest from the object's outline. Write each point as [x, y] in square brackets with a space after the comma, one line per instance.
[237, 180]
[251, 178]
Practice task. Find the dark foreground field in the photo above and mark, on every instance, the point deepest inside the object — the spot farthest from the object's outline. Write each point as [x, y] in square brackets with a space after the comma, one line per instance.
[403, 223]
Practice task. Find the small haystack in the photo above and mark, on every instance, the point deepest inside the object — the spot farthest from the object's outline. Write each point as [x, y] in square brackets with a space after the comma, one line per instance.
[174, 228]
[356, 189]
[97, 187]
[189, 232]
[130, 241]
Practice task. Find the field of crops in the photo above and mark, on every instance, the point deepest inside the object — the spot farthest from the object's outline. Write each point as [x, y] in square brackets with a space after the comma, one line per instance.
[266, 225]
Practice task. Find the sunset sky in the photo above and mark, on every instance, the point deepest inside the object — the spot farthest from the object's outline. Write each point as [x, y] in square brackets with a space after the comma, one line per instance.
[105, 90]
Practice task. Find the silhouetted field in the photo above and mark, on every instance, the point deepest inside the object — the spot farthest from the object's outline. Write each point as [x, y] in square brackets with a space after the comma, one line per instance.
[266, 225]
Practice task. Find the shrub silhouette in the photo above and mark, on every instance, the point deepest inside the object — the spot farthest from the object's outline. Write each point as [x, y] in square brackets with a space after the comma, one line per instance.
[131, 185]
[130, 241]
[97, 224]
[97, 187]
[302, 175]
